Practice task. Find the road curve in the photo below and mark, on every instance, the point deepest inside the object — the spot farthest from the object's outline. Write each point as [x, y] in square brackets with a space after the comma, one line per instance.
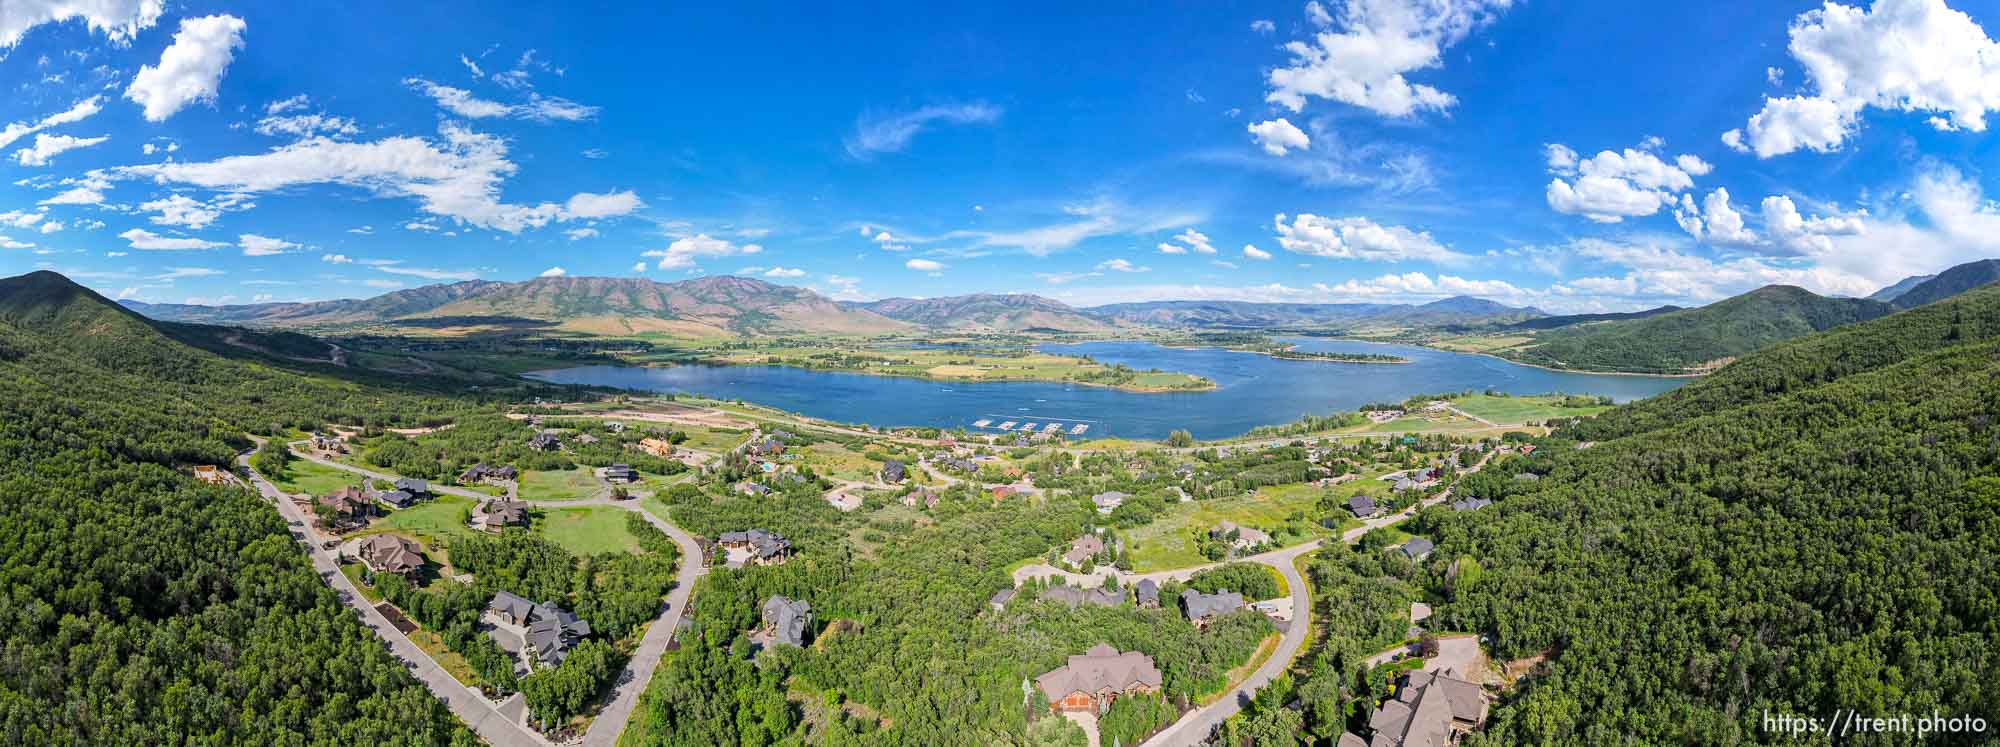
[612, 718]
[474, 709]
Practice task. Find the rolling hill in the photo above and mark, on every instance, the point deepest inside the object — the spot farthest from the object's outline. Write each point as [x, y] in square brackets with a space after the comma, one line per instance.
[722, 306]
[1900, 287]
[1553, 322]
[1699, 339]
[1952, 282]
[987, 312]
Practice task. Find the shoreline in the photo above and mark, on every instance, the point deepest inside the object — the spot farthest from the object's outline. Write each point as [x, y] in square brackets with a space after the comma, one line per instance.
[1211, 385]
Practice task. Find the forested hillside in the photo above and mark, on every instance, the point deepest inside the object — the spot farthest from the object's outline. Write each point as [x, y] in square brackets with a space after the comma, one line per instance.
[142, 607]
[1949, 283]
[1814, 528]
[1687, 340]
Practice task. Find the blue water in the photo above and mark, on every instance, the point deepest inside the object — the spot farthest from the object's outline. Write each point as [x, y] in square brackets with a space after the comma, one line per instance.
[1252, 389]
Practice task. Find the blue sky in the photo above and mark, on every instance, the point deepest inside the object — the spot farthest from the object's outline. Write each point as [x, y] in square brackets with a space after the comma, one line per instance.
[1572, 156]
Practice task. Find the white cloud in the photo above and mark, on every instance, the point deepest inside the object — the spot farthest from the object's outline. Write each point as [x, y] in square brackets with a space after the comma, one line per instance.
[1263, 26]
[553, 272]
[76, 196]
[263, 246]
[784, 272]
[585, 205]
[1899, 55]
[575, 234]
[1223, 263]
[1774, 76]
[336, 259]
[457, 176]
[639, 266]
[1612, 186]
[395, 267]
[176, 273]
[1166, 248]
[1798, 234]
[1364, 63]
[689, 250]
[1122, 265]
[51, 227]
[281, 106]
[1064, 278]
[1317, 15]
[1715, 221]
[1278, 135]
[889, 133]
[190, 69]
[24, 218]
[362, 230]
[538, 107]
[924, 265]
[164, 145]
[187, 212]
[80, 111]
[307, 125]
[48, 146]
[889, 243]
[1251, 251]
[596, 153]
[120, 20]
[1195, 240]
[470, 66]
[143, 239]
[1358, 238]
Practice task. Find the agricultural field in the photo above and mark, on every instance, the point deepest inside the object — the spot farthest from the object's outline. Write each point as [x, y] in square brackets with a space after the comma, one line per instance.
[1482, 343]
[302, 476]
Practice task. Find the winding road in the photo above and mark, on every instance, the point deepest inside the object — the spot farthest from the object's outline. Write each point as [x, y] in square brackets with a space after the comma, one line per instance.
[617, 712]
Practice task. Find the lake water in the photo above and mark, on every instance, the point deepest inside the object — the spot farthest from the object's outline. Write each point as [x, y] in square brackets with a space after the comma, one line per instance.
[1252, 389]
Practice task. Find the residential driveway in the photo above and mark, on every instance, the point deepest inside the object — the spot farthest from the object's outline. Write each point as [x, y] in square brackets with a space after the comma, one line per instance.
[1088, 721]
[1458, 653]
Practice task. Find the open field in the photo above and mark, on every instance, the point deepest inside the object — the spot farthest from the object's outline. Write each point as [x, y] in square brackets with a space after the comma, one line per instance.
[441, 517]
[570, 485]
[996, 363]
[1506, 410]
[1170, 541]
[587, 530]
[302, 476]
[448, 660]
[1482, 344]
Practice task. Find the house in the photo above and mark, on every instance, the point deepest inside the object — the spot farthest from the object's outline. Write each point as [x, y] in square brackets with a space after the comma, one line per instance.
[892, 471]
[210, 474]
[397, 498]
[586, 439]
[413, 486]
[1083, 548]
[621, 473]
[1109, 501]
[1470, 504]
[786, 621]
[767, 447]
[388, 553]
[1001, 492]
[614, 426]
[1001, 598]
[844, 499]
[1074, 596]
[548, 631]
[921, 494]
[329, 443]
[1090, 681]
[545, 441]
[479, 473]
[1417, 548]
[1363, 506]
[1238, 536]
[1201, 608]
[1404, 484]
[752, 488]
[498, 513]
[658, 447]
[1148, 594]
[1527, 449]
[349, 503]
[764, 548]
[1430, 708]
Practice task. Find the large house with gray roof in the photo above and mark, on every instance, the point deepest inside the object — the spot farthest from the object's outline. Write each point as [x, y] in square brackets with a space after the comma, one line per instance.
[1430, 709]
[1203, 608]
[547, 631]
[786, 621]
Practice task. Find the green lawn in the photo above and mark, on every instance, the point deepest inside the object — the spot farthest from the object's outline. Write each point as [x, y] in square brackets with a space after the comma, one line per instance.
[354, 571]
[1510, 410]
[711, 439]
[572, 485]
[586, 530]
[1169, 542]
[302, 476]
[440, 517]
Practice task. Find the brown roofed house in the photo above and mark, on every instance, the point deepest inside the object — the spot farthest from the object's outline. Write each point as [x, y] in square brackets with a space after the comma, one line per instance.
[388, 553]
[1431, 708]
[1090, 681]
[1084, 548]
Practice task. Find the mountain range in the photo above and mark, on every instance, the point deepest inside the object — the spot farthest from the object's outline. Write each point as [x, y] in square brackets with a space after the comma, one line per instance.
[1018, 312]
[1259, 315]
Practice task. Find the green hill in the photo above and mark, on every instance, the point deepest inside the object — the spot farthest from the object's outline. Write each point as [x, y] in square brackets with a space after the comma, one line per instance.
[987, 312]
[1810, 529]
[1950, 283]
[1699, 339]
[145, 607]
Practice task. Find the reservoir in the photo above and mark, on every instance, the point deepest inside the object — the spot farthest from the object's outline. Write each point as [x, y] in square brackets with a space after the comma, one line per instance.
[1251, 389]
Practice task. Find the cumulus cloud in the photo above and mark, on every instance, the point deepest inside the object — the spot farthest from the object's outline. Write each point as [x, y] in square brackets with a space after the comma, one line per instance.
[1166, 248]
[924, 265]
[1192, 239]
[336, 259]
[119, 20]
[1612, 185]
[75, 196]
[1900, 55]
[537, 108]
[456, 176]
[306, 125]
[553, 272]
[80, 111]
[1278, 135]
[47, 146]
[263, 246]
[1716, 221]
[1122, 265]
[889, 242]
[639, 267]
[1358, 238]
[1799, 234]
[892, 132]
[187, 212]
[1251, 251]
[1263, 26]
[141, 238]
[1363, 62]
[190, 69]
[784, 272]
[688, 251]
[575, 234]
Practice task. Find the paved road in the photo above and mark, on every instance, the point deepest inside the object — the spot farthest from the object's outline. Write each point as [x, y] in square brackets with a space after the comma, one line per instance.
[1196, 725]
[475, 710]
[611, 720]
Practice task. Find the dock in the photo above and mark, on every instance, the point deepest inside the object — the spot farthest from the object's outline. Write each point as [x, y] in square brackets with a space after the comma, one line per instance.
[1007, 426]
[982, 422]
[1078, 429]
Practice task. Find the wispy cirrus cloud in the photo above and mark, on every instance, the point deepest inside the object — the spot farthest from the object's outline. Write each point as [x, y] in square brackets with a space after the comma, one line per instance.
[877, 132]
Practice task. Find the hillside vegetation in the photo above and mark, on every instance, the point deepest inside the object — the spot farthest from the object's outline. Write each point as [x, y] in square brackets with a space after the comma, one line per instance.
[1694, 339]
